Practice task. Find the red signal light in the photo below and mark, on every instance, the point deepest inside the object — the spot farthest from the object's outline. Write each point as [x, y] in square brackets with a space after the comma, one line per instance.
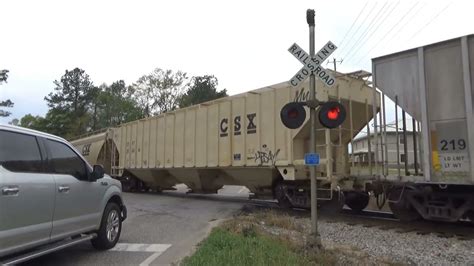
[333, 113]
[293, 113]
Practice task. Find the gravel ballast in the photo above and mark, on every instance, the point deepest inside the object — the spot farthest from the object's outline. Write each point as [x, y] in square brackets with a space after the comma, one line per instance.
[370, 241]
[406, 248]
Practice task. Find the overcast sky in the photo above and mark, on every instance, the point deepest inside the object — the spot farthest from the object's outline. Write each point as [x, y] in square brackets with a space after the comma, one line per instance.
[243, 43]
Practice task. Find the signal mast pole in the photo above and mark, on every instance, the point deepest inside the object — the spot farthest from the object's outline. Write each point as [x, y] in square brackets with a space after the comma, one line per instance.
[312, 104]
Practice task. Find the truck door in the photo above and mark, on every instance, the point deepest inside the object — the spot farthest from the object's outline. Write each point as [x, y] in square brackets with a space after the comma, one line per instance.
[77, 200]
[26, 193]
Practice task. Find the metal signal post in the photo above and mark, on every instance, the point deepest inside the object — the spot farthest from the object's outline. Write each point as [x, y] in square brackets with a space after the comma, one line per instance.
[331, 114]
[312, 104]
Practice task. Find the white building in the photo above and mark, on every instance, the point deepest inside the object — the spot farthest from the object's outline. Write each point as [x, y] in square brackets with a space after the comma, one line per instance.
[360, 149]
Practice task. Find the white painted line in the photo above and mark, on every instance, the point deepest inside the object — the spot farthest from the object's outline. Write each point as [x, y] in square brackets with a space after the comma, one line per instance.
[242, 190]
[156, 249]
[150, 259]
[140, 247]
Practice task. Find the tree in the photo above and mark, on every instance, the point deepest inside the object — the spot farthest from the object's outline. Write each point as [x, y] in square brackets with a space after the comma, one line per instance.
[7, 103]
[159, 91]
[3, 75]
[114, 105]
[201, 89]
[70, 103]
[33, 122]
[14, 122]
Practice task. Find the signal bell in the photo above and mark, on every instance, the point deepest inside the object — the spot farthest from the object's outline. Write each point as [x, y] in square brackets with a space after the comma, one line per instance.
[293, 115]
[332, 114]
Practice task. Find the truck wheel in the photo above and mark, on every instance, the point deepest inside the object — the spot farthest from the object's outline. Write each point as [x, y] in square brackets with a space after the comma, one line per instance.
[110, 228]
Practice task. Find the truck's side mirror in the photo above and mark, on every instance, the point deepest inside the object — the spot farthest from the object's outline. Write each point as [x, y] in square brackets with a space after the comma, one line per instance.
[97, 172]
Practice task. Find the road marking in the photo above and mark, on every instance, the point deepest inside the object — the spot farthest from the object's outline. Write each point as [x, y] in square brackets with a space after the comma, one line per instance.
[141, 247]
[156, 249]
[242, 190]
[150, 259]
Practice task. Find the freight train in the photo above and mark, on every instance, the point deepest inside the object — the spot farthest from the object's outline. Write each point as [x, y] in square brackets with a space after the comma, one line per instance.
[240, 140]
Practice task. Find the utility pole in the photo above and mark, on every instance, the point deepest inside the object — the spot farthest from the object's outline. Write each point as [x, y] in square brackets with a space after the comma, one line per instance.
[315, 238]
[334, 61]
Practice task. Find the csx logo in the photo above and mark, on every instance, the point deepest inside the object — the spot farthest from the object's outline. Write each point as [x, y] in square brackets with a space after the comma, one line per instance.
[251, 127]
[86, 149]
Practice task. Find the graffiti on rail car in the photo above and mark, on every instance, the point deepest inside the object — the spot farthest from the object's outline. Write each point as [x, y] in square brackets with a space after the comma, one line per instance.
[266, 156]
[301, 95]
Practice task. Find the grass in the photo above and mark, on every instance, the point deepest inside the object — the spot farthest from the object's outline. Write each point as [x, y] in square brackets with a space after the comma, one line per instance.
[245, 241]
[226, 248]
[272, 238]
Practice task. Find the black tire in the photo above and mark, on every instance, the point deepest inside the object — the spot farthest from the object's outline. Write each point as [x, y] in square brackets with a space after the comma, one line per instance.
[357, 201]
[110, 228]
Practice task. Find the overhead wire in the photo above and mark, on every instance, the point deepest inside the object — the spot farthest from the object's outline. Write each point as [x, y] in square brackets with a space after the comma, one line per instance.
[358, 28]
[375, 19]
[432, 19]
[408, 21]
[387, 33]
[354, 52]
[353, 23]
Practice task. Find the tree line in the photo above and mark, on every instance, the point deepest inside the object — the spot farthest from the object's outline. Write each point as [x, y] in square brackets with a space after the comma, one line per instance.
[4, 103]
[77, 106]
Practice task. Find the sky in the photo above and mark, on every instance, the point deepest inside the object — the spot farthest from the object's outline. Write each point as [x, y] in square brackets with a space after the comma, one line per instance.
[243, 43]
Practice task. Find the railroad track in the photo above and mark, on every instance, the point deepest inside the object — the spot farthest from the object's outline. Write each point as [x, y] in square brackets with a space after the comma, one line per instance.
[367, 218]
[386, 221]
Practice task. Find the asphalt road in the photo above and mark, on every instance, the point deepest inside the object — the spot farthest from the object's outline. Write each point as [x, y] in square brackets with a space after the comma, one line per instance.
[160, 229]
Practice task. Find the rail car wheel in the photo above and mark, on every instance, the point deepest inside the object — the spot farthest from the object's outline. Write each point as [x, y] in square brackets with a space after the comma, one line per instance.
[334, 205]
[280, 196]
[126, 186]
[470, 216]
[401, 207]
[356, 200]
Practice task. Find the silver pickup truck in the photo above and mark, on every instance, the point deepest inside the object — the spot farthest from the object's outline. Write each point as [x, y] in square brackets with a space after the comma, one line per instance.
[51, 198]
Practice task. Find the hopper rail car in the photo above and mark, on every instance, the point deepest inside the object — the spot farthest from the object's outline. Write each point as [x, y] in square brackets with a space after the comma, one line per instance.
[240, 140]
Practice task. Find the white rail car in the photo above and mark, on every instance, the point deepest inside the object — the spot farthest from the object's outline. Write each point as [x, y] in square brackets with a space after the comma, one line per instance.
[238, 140]
[433, 84]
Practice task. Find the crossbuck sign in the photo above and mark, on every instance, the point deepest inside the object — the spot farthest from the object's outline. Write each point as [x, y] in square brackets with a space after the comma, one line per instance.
[312, 65]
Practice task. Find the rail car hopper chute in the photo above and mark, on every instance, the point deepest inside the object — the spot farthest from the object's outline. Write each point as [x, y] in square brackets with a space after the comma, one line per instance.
[97, 148]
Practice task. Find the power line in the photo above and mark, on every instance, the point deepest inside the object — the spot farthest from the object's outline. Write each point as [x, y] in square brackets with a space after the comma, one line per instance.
[353, 23]
[370, 24]
[388, 32]
[437, 15]
[408, 21]
[375, 4]
[375, 30]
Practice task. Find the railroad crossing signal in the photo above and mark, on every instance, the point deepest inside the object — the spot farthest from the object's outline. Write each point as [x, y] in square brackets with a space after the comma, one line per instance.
[332, 114]
[312, 65]
[293, 115]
